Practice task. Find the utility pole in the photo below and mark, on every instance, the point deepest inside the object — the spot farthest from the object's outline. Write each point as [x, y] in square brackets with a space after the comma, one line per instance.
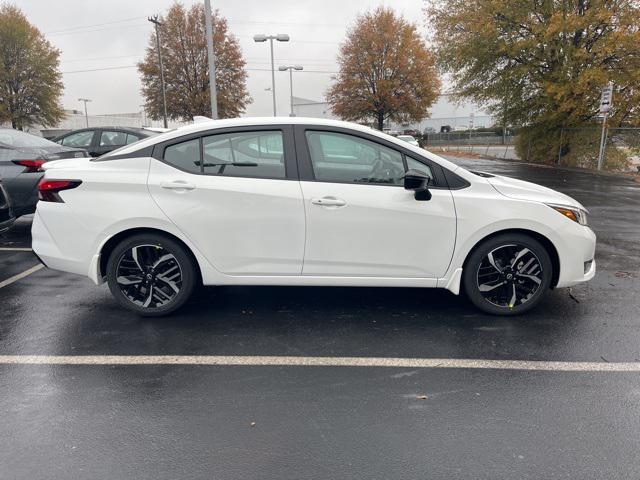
[291, 68]
[158, 24]
[281, 37]
[86, 115]
[212, 60]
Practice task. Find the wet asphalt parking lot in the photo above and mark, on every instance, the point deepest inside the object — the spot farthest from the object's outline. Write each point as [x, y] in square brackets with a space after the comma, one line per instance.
[161, 420]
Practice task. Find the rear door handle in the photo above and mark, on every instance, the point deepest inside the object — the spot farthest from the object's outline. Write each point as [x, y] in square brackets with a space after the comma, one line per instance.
[178, 185]
[328, 202]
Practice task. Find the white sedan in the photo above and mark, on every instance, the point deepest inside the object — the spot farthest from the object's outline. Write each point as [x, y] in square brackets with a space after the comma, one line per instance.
[295, 201]
[410, 139]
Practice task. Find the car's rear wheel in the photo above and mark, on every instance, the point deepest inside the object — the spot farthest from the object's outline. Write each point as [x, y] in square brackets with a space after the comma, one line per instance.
[151, 274]
[508, 274]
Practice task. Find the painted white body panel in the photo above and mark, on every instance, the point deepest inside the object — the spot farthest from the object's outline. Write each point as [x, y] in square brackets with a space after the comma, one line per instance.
[244, 226]
[380, 231]
[245, 231]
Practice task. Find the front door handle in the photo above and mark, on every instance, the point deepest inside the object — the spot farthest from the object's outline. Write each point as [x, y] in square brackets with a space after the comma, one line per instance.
[328, 202]
[178, 185]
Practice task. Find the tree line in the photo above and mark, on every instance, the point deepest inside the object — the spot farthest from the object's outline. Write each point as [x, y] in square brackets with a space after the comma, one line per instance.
[538, 65]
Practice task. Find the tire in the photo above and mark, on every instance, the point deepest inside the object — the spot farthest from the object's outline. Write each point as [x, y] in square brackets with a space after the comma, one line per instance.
[151, 274]
[490, 278]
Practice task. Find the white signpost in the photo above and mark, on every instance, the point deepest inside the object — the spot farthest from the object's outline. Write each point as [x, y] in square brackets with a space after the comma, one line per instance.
[606, 102]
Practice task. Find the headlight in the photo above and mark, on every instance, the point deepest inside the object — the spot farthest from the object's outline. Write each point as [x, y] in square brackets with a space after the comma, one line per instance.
[572, 213]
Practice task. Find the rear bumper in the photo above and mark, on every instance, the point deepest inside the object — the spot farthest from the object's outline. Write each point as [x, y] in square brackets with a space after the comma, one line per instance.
[23, 191]
[50, 253]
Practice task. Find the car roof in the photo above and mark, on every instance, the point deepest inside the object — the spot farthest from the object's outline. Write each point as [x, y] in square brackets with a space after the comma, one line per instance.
[265, 121]
[106, 127]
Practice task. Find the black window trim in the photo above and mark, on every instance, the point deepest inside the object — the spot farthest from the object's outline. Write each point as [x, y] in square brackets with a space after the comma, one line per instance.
[305, 166]
[290, 164]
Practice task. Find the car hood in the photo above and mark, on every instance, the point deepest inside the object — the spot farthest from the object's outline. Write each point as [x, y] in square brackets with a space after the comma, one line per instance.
[521, 190]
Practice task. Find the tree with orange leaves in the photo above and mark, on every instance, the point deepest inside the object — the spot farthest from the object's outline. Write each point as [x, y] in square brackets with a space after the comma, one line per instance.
[186, 71]
[386, 71]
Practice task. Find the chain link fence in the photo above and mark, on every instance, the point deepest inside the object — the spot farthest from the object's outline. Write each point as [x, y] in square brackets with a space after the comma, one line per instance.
[569, 147]
[492, 143]
[580, 147]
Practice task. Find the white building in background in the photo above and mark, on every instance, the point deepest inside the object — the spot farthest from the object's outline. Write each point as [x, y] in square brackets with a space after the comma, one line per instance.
[75, 119]
[444, 112]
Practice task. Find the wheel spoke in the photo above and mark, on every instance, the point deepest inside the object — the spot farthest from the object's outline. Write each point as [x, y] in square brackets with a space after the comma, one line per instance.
[129, 280]
[493, 262]
[526, 265]
[531, 277]
[488, 288]
[519, 255]
[148, 301]
[168, 282]
[162, 259]
[513, 297]
[134, 254]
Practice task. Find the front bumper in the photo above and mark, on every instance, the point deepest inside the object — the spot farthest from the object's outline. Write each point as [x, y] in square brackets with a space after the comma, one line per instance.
[577, 250]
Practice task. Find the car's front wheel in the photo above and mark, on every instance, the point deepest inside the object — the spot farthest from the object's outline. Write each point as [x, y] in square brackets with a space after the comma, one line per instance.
[151, 274]
[507, 274]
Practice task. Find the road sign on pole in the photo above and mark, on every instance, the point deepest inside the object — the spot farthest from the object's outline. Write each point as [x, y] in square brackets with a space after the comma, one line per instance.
[606, 102]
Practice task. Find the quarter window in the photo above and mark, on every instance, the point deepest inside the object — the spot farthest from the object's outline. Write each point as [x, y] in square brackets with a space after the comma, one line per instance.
[132, 138]
[341, 158]
[184, 155]
[78, 140]
[244, 154]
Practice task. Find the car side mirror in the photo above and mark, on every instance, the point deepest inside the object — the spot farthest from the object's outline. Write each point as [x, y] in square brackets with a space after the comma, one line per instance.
[418, 182]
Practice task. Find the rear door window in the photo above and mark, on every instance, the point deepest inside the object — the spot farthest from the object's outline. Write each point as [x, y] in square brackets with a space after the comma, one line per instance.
[245, 154]
[112, 139]
[78, 139]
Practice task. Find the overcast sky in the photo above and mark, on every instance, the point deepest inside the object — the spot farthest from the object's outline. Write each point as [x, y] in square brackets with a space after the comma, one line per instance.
[97, 34]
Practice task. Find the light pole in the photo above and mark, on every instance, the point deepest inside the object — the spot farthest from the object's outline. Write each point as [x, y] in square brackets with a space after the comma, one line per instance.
[291, 68]
[86, 115]
[158, 24]
[281, 37]
[212, 60]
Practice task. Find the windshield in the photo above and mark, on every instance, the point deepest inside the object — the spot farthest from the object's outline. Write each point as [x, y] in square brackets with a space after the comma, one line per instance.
[16, 138]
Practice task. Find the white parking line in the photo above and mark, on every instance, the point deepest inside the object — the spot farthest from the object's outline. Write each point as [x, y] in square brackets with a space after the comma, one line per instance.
[318, 362]
[15, 249]
[17, 277]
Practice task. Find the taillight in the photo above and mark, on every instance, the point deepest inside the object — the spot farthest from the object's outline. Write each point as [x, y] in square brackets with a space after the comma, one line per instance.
[48, 190]
[31, 166]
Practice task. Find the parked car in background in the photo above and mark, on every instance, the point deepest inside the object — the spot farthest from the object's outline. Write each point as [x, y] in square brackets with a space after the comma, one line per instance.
[409, 139]
[428, 131]
[21, 158]
[411, 131]
[100, 140]
[303, 201]
[6, 212]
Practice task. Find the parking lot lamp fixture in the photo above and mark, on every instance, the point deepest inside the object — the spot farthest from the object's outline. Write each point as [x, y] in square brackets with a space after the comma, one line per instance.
[280, 37]
[86, 115]
[291, 68]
